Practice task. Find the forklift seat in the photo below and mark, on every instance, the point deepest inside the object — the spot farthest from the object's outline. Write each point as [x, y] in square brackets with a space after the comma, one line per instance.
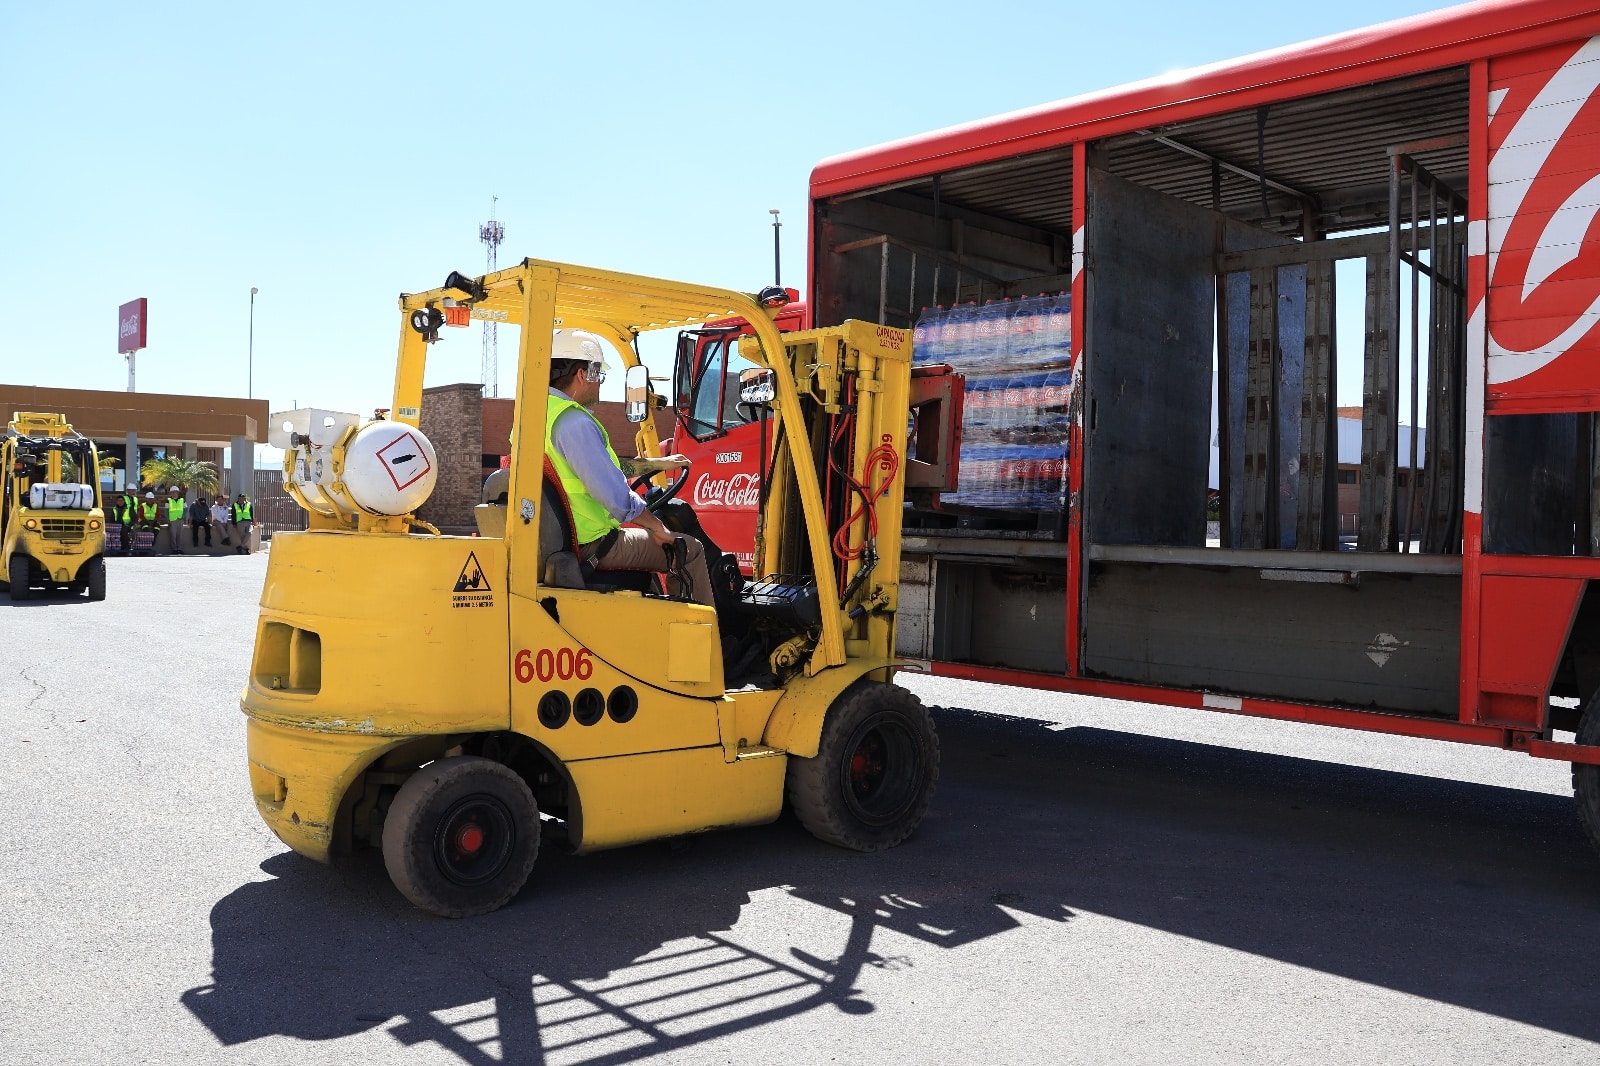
[560, 565]
[491, 513]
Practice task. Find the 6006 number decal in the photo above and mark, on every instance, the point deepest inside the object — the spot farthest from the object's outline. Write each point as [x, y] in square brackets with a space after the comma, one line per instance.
[548, 664]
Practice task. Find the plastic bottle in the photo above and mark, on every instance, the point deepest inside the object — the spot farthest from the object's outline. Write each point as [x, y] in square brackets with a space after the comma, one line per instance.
[989, 341]
[977, 476]
[979, 405]
[1022, 342]
[1010, 418]
[1056, 406]
[1039, 413]
[1050, 464]
[1015, 480]
[1055, 338]
[958, 335]
[924, 340]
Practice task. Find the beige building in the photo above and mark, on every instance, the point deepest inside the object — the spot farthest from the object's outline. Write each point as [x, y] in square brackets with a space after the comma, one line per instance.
[137, 426]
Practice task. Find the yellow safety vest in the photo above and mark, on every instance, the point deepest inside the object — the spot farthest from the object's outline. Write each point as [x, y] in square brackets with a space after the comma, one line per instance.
[241, 512]
[175, 510]
[589, 516]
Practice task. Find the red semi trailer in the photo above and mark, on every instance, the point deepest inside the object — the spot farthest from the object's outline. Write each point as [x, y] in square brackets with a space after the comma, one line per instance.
[1447, 166]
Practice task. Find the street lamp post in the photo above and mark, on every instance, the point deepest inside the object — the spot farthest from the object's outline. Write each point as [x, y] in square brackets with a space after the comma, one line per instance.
[777, 262]
[250, 372]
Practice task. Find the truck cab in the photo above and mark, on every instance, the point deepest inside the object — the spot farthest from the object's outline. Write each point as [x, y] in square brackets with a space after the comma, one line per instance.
[720, 436]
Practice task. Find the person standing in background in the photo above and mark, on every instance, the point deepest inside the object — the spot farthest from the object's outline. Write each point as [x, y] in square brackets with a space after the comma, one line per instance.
[243, 519]
[175, 513]
[125, 513]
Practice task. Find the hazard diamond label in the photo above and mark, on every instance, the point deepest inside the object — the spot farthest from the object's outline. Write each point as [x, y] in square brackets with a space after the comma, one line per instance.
[404, 461]
[472, 586]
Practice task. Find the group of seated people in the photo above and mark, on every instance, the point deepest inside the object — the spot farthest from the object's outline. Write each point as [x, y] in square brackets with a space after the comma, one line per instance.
[232, 523]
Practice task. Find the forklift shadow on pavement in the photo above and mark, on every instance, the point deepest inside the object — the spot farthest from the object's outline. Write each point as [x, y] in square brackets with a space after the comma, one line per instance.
[604, 958]
[1383, 878]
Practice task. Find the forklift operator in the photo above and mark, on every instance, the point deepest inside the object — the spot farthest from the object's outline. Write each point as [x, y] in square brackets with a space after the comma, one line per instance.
[591, 474]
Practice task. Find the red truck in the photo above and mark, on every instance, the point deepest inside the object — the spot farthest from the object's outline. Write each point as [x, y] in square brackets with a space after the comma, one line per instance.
[1446, 165]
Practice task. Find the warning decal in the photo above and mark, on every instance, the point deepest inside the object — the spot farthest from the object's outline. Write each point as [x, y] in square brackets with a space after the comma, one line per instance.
[404, 461]
[472, 586]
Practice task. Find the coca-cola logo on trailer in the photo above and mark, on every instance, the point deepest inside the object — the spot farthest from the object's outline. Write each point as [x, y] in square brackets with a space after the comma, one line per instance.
[1544, 196]
[739, 490]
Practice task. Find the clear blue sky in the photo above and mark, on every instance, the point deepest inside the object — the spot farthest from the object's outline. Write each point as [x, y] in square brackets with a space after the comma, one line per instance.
[334, 155]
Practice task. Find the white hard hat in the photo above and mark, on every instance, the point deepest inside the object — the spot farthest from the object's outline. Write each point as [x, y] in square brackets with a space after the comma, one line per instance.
[149, 495]
[578, 346]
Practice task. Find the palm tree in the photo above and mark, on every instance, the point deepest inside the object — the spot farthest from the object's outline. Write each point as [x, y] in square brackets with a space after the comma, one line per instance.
[180, 473]
[69, 466]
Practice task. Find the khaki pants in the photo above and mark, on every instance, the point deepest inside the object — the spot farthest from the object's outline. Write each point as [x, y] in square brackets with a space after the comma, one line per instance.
[634, 550]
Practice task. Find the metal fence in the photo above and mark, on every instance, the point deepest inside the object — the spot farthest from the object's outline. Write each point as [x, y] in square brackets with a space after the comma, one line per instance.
[275, 510]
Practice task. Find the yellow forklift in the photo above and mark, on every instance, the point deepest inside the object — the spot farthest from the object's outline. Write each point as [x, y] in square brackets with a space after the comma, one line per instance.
[52, 531]
[456, 701]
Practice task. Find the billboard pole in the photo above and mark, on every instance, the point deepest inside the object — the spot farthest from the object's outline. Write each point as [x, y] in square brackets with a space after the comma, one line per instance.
[133, 321]
[250, 379]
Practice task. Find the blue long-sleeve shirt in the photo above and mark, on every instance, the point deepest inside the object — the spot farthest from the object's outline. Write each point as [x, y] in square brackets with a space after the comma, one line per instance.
[582, 443]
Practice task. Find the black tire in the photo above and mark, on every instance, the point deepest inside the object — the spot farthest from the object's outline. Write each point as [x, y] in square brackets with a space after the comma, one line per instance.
[874, 773]
[93, 576]
[1586, 776]
[461, 836]
[18, 574]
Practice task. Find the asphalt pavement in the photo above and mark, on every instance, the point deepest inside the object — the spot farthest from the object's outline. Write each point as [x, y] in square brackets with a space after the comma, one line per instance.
[1096, 882]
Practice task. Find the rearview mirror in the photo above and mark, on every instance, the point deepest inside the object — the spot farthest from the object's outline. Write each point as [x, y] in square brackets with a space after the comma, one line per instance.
[757, 385]
[636, 387]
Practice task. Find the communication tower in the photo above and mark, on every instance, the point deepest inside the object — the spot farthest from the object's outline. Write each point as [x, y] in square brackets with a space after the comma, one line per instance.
[491, 233]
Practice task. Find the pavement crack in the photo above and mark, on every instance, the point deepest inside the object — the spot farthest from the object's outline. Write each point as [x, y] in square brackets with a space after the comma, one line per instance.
[130, 744]
[37, 696]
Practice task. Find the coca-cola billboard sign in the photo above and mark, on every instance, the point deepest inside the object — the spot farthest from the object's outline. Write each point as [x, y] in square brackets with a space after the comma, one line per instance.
[133, 322]
[735, 492]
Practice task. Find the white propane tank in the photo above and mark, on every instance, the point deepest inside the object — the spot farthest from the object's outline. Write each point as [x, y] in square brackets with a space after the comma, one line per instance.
[50, 495]
[389, 468]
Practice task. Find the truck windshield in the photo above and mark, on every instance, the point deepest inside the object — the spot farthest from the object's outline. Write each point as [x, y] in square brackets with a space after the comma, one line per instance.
[715, 405]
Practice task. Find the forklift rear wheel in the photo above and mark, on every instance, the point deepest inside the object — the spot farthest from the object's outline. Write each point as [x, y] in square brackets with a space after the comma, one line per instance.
[874, 772]
[94, 578]
[1586, 776]
[461, 836]
[18, 573]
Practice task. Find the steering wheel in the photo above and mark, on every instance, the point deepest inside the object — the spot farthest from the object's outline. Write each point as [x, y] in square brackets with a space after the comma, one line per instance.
[748, 411]
[658, 498]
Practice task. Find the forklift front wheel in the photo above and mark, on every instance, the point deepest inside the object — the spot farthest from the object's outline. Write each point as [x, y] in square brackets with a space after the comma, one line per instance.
[94, 577]
[19, 573]
[461, 836]
[874, 773]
